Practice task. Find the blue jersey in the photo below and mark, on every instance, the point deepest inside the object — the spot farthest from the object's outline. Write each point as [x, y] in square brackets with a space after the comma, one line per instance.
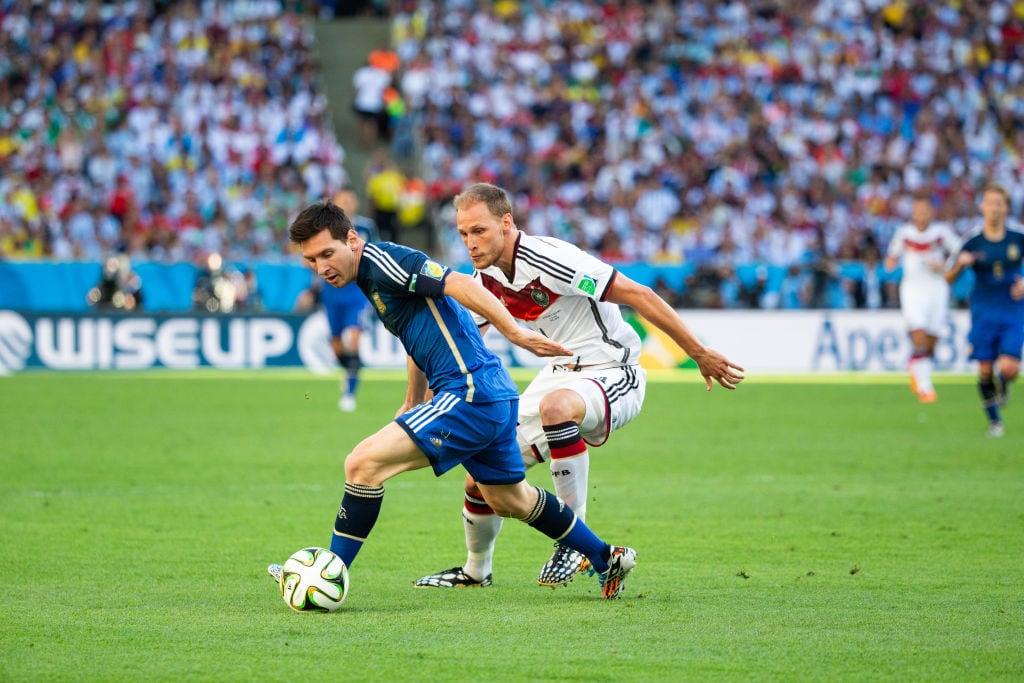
[407, 291]
[996, 266]
[344, 306]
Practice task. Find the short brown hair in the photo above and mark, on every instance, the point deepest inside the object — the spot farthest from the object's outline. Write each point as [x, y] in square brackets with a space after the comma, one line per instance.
[494, 197]
[317, 217]
[999, 189]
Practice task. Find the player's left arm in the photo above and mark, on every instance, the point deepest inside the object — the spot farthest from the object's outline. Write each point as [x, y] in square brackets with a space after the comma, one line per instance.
[416, 391]
[654, 309]
[474, 296]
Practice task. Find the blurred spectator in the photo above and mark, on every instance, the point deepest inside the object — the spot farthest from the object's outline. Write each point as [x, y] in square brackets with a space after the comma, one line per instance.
[119, 288]
[221, 288]
[384, 186]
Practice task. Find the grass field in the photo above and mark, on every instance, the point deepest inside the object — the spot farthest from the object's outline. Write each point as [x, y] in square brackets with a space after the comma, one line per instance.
[791, 531]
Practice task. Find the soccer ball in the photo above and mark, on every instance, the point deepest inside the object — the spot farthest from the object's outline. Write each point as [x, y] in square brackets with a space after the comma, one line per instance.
[314, 580]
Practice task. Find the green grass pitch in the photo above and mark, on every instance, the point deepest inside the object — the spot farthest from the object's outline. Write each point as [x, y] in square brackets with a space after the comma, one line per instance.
[792, 530]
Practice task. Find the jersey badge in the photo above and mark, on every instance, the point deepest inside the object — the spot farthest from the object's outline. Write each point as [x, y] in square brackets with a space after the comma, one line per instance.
[540, 297]
[1013, 252]
[587, 284]
[378, 303]
[432, 269]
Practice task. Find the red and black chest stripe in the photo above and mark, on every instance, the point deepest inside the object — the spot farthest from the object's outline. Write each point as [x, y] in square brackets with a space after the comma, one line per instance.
[529, 303]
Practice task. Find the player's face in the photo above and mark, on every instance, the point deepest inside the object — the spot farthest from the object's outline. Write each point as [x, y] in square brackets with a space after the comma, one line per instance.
[483, 233]
[332, 259]
[994, 208]
[921, 213]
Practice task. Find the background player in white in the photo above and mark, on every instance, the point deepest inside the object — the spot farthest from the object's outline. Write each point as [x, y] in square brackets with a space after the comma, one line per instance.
[572, 298]
[923, 247]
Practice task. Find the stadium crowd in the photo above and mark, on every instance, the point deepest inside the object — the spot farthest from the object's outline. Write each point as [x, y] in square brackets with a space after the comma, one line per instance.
[739, 138]
[159, 130]
[722, 134]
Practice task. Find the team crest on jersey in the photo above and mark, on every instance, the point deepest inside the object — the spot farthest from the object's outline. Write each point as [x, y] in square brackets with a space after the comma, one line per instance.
[378, 303]
[540, 297]
[587, 285]
[1013, 252]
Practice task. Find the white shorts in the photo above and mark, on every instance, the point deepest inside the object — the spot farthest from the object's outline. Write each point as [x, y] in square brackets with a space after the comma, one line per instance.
[925, 307]
[613, 397]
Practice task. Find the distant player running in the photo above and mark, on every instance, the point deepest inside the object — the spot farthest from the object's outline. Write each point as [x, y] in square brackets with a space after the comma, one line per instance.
[996, 338]
[572, 298]
[923, 247]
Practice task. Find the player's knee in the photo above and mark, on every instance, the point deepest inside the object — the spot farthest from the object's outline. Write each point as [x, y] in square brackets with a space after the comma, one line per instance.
[471, 488]
[1009, 370]
[361, 467]
[562, 406]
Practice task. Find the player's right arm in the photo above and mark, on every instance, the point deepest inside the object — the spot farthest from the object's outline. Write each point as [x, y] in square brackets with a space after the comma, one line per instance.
[654, 309]
[893, 253]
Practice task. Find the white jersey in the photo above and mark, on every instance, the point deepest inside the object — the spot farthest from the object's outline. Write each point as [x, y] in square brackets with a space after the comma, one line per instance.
[924, 252]
[558, 290]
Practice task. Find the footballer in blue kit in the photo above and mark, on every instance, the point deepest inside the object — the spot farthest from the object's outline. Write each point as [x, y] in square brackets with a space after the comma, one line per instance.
[345, 308]
[994, 254]
[471, 416]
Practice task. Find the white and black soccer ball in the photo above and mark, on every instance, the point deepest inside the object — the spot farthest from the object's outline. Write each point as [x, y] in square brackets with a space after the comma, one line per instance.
[314, 580]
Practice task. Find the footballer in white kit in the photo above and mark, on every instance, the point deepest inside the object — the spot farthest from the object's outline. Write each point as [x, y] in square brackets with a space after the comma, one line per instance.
[923, 247]
[575, 401]
[558, 290]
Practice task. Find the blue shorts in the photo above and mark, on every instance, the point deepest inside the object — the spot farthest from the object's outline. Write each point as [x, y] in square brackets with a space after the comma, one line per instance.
[992, 336]
[344, 306]
[479, 436]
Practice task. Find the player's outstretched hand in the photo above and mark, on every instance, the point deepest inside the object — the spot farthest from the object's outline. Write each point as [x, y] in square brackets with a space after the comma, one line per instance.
[715, 367]
[538, 344]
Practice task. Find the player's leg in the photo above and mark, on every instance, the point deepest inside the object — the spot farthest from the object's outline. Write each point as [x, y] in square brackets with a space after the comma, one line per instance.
[915, 307]
[561, 413]
[922, 352]
[583, 412]
[1011, 339]
[348, 357]
[500, 475]
[989, 397]
[544, 512]
[373, 461]
[984, 342]
[1007, 369]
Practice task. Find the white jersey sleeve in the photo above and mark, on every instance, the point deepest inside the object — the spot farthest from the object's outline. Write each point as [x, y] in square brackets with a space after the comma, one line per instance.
[559, 290]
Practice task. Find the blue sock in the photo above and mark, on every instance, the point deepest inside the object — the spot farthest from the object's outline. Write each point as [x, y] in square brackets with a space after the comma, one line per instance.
[351, 363]
[555, 519]
[359, 509]
[989, 400]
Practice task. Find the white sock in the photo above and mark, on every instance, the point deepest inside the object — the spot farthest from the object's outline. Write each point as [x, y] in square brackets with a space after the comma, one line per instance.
[571, 478]
[922, 371]
[481, 531]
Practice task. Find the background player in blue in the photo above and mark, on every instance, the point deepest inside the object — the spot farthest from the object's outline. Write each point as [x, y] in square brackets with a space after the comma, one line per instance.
[471, 417]
[345, 308]
[997, 301]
